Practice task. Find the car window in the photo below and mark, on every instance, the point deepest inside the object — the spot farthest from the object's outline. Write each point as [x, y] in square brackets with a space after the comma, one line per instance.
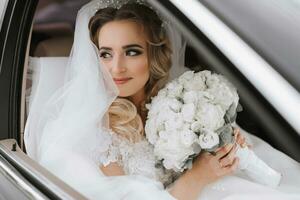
[270, 27]
[53, 27]
[3, 4]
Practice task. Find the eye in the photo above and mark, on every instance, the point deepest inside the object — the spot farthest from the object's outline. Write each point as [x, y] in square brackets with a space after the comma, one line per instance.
[133, 52]
[105, 55]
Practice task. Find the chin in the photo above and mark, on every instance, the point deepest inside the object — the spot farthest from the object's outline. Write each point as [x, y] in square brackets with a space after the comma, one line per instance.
[124, 94]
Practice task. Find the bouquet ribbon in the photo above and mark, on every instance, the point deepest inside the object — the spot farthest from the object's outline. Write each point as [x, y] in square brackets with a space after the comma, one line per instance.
[257, 169]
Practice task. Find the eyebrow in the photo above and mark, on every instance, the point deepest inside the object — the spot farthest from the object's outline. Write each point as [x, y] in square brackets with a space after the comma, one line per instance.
[124, 47]
[132, 45]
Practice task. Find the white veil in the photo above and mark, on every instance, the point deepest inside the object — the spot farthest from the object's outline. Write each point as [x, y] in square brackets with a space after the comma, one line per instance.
[64, 132]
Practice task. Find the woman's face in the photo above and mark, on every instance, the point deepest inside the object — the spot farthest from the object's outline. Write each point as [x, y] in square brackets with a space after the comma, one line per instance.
[123, 51]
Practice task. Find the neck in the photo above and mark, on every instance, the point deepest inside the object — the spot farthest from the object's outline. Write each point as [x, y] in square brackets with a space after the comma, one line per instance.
[137, 99]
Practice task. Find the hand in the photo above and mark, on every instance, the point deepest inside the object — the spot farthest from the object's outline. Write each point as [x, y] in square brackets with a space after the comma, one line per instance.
[209, 168]
[240, 139]
[206, 169]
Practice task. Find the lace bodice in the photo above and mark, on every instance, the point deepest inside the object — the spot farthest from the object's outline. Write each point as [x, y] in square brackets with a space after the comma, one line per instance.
[135, 158]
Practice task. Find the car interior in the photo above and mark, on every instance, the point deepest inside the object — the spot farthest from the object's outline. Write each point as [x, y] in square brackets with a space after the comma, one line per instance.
[47, 52]
[53, 39]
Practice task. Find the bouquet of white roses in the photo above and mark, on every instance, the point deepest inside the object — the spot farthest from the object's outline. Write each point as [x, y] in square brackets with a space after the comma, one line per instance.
[195, 113]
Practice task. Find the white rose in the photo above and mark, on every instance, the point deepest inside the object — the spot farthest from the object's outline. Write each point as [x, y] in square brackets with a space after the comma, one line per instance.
[223, 91]
[188, 112]
[205, 74]
[208, 139]
[212, 80]
[190, 97]
[174, 122]
[156, 105]
[161, 127]
[210, 116]
[186, 125]
[187, 76]
[165, 115]
[223, 96]
[162, 93]
[169, 163]
[204, 97]
[173, 164]
[196, 84]
[174, 89]
[196, 126]
[164, 135]
[151, 131]
[173, 153]
[174, 105]
[188, 137]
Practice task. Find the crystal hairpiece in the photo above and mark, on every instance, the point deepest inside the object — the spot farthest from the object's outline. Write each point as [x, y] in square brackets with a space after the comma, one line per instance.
[119, 3]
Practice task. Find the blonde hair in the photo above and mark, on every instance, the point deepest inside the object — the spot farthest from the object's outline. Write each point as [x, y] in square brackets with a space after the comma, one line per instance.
[125, 121]
[123, 116]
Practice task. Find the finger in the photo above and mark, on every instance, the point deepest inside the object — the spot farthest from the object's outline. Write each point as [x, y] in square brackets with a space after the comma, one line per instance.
[223, 151]
[243, 143]
[229, 158]
[241, 140]
[238, 136]
[231, 168]
[218, 149]
[236, 132]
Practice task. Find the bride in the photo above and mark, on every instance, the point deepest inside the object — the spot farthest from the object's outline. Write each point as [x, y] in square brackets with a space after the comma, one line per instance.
[122, 55]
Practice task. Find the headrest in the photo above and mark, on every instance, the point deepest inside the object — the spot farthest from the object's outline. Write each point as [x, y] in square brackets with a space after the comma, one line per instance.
[58, 46]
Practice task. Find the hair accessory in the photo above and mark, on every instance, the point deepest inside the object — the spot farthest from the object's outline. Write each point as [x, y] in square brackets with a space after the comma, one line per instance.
[117, 3]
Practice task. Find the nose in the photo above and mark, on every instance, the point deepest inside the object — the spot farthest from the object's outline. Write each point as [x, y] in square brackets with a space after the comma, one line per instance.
[118, 64]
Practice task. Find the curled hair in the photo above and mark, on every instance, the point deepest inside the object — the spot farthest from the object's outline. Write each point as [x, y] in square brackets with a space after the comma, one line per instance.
[159, 57]
[124, 120]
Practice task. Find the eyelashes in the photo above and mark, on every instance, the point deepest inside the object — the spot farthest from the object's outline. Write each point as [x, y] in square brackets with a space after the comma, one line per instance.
[129, 52]
[133, 52]
[105, 55]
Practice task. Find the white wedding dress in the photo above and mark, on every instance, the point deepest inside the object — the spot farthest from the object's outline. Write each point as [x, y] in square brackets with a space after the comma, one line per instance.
[138, 159]
[62, 134]
[144, 181]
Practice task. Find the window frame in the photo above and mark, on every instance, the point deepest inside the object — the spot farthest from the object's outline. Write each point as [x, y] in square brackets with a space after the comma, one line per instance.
[14, 36]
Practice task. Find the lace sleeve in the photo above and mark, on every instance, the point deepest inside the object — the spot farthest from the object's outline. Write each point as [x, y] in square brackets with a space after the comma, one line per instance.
[135, 158]
[139, 159]
[107, 150]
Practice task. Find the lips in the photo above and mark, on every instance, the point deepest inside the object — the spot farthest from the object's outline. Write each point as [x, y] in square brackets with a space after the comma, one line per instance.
[119, 81]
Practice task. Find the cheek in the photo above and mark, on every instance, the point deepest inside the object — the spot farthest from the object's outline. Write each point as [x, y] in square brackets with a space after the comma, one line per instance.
[141, 70]
[106, 66]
